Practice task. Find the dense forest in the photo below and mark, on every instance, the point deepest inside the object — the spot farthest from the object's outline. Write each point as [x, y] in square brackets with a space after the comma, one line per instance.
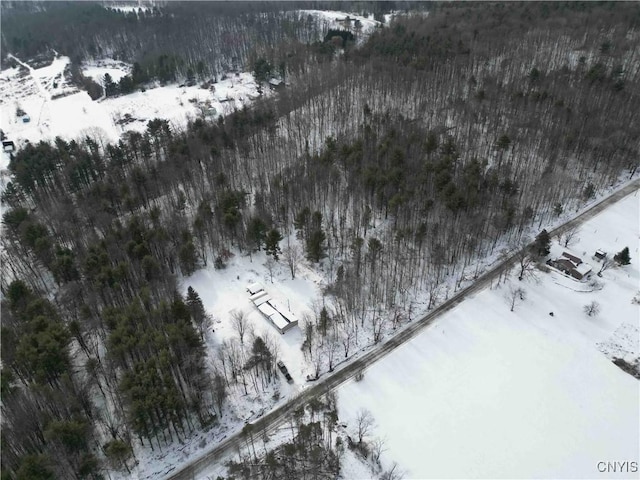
[397, 164]
[170, 39]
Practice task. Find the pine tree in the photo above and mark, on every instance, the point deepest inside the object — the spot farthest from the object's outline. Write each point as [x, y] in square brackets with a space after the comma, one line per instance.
[196, 309]
[271, 243]
[542, 244]
[256, 233]
[315, 246]
[110, 87]
[622, 257]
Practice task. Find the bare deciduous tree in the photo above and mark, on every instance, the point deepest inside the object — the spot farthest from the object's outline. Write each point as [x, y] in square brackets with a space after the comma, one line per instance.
[516, 294]
[271, 265]
[606, 264]
[526, 264]
[239, 323]
[569, 236]
[292, 255]
[377, 447]
[364, 424]
[393, 473]
[592, 309]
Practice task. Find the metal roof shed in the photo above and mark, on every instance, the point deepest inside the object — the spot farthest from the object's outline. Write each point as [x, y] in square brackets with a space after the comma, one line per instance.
[254, 288]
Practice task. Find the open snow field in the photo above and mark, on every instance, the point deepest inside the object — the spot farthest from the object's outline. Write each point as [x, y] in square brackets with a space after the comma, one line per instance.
[490, 393]
[58, 109]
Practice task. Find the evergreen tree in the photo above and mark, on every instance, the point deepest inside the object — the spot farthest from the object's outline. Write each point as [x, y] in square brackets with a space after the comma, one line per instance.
[622, 257]
[542, 244]
[196, 309]
[271, 243]
[110, 87]
[256, 233]
[35, 467]
[315, 246]
[262, 70]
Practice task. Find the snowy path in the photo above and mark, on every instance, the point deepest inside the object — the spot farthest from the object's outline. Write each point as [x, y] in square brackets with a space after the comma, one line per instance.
[270, 422]
[43, 91]
[46, 96]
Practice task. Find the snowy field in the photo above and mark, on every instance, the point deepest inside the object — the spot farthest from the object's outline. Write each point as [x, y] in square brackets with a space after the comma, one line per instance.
[58, 109]
[490, 393]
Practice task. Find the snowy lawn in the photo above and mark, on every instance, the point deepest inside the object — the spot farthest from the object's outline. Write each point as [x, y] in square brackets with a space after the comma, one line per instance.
[490, 393]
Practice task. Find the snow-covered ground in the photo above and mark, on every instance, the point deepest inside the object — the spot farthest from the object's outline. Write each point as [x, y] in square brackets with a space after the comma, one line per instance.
[490, 393]
[346, 21]
[223, 292]
[58, 109]
[97, 69]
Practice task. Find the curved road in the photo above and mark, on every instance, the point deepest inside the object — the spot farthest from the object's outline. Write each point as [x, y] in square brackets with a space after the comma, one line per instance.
[269, 422]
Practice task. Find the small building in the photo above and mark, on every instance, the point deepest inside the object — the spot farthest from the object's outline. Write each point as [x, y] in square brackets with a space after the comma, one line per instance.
[276, 83]
[255, 288]
[571, 265]
[260, 298]
[279, 316]
[284, 311]
[600, 255]
[276, 319]
[8, 146]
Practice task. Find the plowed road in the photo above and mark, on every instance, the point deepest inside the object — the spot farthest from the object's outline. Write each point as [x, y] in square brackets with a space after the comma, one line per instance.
[277, 417]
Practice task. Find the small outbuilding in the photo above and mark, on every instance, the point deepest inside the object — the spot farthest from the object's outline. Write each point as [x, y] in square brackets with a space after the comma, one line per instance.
[8, 146]
[276, 83]
[255, 288]
[600, 255]
[279, 316]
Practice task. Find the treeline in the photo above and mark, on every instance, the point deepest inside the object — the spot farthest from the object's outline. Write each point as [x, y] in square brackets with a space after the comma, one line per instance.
[396, 173]
[209, 38]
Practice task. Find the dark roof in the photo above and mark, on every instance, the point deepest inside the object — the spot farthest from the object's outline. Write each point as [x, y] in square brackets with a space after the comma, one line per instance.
[573, 258]
[567, 264]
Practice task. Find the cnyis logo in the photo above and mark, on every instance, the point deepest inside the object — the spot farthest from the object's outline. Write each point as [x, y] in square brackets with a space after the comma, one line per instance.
[618, 467]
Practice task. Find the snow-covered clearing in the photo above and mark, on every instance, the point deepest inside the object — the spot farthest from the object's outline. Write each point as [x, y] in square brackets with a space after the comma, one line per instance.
[361, 26]
[490, 393]
[222, 292]
[97, 69]
[55, 108]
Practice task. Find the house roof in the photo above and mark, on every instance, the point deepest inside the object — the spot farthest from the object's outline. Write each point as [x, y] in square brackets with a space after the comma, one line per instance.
[573, 258]
[566, 263]
[583, 269]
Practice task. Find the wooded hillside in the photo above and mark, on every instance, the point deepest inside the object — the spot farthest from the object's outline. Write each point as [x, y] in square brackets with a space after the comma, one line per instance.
[441, 140]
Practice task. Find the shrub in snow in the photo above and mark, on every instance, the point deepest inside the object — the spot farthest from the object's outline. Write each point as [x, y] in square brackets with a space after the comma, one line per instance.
[592, 309]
